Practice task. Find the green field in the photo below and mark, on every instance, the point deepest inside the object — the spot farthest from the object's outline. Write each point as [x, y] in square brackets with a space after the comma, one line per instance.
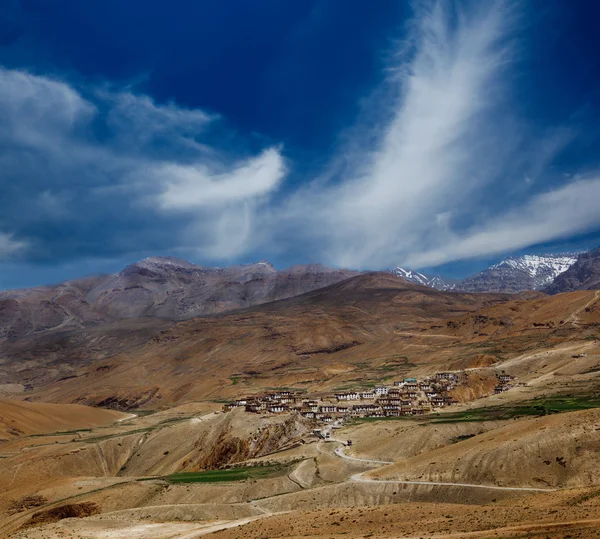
[533, 408]
[536, 407]
[231, 474]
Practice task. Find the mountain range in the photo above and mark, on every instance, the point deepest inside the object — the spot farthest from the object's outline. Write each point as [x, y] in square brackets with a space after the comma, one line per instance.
[157, 287]
[511, 275]
[584, 274]
[173, 289]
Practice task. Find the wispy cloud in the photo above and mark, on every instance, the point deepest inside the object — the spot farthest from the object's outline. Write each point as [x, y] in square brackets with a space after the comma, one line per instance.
[557, 214]
[441, 169]
[435, 186]
[434, 148]
[9, 247]
[108, 154]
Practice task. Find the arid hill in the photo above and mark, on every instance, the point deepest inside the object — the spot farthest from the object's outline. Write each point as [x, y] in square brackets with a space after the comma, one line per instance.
[157, 287]
[364, 330]
[465, 470]
[19, 418]
[324, 338]
[565, 458]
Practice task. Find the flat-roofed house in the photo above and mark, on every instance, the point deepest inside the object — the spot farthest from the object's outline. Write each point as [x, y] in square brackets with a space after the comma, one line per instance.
[348, 396]
[328, 409]
[277, 408]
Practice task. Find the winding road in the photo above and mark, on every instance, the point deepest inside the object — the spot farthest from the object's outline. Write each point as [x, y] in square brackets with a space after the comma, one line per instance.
[359, 477]
[574, 317]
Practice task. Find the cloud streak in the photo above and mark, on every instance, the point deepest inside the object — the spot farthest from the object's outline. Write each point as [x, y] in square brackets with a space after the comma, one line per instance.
[436, 186]
[9, 247]
[101, 155]
[442, 169]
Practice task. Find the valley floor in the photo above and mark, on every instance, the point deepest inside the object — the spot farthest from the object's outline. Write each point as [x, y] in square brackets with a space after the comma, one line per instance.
[313, 489]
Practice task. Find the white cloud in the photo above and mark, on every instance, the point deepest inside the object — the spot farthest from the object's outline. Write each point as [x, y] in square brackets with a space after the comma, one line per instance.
[39, 112]
[429, 157]
[431, 189]
[136, 121]
[9, 247]
[193, 187]
[110, 150]
[453, 173]
[557, 214]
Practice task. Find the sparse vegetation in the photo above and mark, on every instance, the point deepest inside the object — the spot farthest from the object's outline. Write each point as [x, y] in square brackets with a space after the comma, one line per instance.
[26, 502]
[462, 437]
[229, 474]
[117, 434]
[59, 433]
[536, 407]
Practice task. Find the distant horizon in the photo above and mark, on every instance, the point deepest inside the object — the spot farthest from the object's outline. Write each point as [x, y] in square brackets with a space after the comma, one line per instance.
[122, 265]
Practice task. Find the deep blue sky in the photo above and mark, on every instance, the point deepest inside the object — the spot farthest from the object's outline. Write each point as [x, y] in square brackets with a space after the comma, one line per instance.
[305, 92]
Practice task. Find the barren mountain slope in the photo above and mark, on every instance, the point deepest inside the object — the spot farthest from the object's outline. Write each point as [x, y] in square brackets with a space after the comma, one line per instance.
[552, 451]
[317, 339]
[161, 287]
[584, 274]
[18, 418]
[368, 329]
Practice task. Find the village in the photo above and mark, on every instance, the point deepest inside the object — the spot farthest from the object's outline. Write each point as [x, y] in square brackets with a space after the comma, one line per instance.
[408, 397]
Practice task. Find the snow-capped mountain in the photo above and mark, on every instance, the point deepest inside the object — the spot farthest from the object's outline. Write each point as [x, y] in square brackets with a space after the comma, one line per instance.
[515, 274]
[583, 275]
[436, 281]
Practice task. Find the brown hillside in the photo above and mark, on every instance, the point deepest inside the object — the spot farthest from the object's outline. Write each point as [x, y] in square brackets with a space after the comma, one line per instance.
[318, 341]
[24, 418]
[553, 451]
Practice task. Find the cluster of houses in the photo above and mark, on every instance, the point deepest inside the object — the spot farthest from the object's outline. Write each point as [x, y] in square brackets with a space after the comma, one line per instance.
[404, 398]
[505, 382]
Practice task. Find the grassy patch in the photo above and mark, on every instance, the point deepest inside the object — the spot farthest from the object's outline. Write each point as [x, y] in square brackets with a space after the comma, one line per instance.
[283, 388]
[533, 408]
[143, 413]
[231, 474]
[177, 419]
[536, 408]
[359, 420]
[58, 433]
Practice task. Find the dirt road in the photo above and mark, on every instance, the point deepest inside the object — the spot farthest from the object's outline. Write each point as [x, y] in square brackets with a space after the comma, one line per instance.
[359, 477]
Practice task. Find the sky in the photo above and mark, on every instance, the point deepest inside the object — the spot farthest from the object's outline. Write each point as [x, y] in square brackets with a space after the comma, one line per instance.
[437, 135]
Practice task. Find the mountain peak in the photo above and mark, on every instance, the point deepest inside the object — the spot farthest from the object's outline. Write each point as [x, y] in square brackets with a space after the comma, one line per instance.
[164, 261]
[584, 274]
[517, 273]
[416, 277]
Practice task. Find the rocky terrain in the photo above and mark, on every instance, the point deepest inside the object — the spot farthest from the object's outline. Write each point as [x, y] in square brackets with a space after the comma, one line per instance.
[158, 287]
[168, 463]
[511, 275]
[584, 274]
[357, 332]
[516, 274]
[311, 339]
[171, 289]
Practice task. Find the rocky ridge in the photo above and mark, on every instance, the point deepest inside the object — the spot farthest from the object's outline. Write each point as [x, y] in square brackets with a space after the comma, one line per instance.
[157, 287]
[584, 274]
